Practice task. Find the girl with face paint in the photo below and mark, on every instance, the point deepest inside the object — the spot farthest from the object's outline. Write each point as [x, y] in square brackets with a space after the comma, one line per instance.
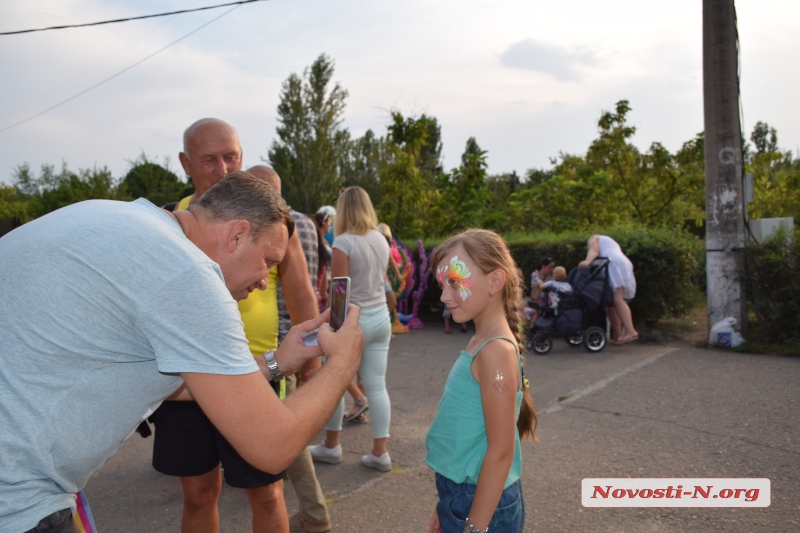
[473, 444]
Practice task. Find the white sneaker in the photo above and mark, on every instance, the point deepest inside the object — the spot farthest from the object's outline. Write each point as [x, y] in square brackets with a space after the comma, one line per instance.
[322, 454]
[382, 463]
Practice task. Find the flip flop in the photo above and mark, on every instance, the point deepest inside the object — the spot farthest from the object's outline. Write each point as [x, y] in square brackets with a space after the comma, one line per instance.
[448, 331]
[626, 340]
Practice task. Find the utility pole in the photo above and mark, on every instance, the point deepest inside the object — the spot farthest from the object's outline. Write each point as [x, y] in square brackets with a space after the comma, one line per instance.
[723, 164]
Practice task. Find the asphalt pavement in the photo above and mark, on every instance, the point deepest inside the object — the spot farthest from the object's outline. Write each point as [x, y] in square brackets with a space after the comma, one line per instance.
[648, 411]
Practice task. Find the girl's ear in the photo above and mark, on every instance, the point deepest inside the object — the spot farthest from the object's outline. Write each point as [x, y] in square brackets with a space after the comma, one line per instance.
[497, 281]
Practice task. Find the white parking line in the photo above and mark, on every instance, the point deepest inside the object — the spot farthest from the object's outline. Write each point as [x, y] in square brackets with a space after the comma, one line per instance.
[580, 393]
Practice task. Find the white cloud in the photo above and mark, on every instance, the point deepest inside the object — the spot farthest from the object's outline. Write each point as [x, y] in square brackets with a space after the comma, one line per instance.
[563, 63]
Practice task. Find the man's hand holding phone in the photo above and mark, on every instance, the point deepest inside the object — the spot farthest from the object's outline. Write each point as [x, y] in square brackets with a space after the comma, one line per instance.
[293, 352]
[346, 341]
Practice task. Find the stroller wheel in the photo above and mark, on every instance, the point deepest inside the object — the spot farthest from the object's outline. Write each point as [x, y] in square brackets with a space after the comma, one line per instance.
[574, 340]
[541, 343]
[594, 339]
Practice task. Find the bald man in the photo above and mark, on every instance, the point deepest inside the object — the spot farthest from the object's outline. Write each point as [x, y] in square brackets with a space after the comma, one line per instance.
[211, 148]
[211, 151]
[313, 514]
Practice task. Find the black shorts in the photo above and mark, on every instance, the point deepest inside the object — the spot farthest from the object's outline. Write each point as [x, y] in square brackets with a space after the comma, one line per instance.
[187, 444]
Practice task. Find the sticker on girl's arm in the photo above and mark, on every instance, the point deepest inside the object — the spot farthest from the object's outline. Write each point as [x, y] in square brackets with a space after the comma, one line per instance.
[500, 384]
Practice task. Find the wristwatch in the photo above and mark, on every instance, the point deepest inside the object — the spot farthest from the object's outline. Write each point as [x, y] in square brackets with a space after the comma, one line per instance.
[469, 528]
[272, 364]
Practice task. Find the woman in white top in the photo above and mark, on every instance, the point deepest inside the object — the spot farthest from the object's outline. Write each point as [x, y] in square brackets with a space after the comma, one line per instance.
[623, 283]
[362, 253]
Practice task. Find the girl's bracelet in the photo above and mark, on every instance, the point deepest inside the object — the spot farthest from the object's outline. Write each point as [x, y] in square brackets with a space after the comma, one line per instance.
[469, 528]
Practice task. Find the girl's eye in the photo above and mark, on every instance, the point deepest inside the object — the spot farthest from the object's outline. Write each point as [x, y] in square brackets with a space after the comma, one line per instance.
[451, 282]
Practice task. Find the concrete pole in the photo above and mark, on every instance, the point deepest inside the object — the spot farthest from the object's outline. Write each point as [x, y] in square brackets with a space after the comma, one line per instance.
[723, 164]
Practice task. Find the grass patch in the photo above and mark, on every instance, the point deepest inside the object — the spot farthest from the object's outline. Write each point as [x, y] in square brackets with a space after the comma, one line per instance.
[791, 350]
[562, 398]
[666, 330]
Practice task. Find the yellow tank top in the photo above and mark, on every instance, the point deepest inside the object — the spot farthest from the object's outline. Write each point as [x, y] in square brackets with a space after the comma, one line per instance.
[260, 316]
[184, 204]
[259, 313]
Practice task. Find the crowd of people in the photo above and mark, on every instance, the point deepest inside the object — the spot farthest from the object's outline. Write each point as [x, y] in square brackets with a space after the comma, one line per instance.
[190, 316]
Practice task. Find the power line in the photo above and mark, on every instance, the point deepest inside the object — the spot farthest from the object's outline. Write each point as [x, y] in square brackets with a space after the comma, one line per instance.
[130, 18]
[236, 5]
[75, 77]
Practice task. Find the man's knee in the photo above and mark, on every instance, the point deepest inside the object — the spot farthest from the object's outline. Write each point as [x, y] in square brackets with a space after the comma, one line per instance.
[267, 497]
[201, 491]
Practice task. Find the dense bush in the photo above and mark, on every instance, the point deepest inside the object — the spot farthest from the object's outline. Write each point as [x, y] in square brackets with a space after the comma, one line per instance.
[666, 265]
[773, 288]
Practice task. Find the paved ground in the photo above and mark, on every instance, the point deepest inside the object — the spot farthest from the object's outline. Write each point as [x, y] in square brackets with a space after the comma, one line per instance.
[631, 411]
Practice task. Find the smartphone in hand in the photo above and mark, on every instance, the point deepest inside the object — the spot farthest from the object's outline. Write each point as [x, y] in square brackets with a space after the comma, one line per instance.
[340, 300]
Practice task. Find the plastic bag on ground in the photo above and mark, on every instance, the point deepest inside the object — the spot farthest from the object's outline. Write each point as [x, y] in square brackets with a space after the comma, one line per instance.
[723, 334]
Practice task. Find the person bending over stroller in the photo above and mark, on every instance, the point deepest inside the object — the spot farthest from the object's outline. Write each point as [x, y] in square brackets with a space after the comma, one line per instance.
[623, 283]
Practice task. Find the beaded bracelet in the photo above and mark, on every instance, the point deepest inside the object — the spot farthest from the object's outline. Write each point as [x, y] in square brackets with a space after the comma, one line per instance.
[469, 528]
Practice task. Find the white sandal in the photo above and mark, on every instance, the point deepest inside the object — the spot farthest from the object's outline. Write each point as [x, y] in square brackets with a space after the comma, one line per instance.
[362, 406]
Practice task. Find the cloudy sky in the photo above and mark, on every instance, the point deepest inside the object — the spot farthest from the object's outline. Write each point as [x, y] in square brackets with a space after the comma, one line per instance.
[527, 78]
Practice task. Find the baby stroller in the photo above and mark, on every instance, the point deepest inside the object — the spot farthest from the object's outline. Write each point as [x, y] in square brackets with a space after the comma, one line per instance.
[571, 318]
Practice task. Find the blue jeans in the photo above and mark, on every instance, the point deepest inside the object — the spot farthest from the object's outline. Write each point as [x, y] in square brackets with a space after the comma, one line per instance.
[455, 502]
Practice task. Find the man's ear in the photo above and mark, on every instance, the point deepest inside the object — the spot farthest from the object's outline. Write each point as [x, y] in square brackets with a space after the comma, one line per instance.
[184, 159]
[238, 231]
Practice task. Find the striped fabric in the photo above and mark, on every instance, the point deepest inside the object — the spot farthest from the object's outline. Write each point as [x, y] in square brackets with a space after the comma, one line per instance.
[83, 515]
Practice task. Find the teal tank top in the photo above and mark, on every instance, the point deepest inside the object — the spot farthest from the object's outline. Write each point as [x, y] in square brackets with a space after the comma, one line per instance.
[456, 442]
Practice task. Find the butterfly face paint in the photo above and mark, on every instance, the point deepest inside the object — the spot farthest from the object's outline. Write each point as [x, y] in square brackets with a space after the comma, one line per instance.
[457, 275]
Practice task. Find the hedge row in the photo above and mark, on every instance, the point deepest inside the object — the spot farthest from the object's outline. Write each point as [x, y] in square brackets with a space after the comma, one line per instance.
[773, 289]
[667, 265]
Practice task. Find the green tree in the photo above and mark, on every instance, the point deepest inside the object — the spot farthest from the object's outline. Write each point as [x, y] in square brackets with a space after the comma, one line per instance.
[500, 188]
[465, 197]
[430, 153]
[50, 190]
[360, 164]
[764, 138]
[776, 177]
[12, 204]
[311, 139]
[650, 184]
[403, 186]
[148, 179]
[574, 197]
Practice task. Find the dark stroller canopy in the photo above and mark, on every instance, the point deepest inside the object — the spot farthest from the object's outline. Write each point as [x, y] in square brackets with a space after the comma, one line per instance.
[591, 284]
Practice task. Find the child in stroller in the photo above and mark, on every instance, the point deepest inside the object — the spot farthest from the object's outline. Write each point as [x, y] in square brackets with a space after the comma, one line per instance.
[572, 302]
[555, 289]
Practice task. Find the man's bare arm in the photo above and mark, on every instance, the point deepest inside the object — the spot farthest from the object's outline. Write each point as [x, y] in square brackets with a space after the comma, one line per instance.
[268, 433]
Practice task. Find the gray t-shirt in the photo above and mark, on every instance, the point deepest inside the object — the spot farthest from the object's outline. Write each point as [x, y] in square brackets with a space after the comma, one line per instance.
[103, 305]
[368, 262]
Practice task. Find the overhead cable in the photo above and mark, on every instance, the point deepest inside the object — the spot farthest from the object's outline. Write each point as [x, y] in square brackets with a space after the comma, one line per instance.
[17, 32]
[126, 69]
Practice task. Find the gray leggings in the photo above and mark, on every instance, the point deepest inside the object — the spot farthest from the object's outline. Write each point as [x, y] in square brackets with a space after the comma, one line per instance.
[377, 328]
